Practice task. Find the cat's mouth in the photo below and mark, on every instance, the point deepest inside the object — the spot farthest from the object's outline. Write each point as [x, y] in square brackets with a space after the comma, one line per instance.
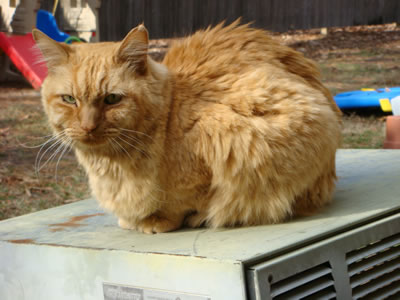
[91, 139]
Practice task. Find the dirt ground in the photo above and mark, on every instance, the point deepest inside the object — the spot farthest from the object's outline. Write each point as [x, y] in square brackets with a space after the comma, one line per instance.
[349, 58]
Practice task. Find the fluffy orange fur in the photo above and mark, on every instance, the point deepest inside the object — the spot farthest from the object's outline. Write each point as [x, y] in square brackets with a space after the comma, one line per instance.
[231, 129]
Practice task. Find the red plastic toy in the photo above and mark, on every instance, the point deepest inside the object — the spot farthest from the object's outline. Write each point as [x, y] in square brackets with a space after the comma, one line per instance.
[20, 49]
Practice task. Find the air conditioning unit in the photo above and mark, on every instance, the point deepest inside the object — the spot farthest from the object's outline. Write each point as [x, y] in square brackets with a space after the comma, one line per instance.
[350, 250]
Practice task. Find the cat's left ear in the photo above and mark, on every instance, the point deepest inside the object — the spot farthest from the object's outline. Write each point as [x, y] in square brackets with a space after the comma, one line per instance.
[54, 53]
[133, 49]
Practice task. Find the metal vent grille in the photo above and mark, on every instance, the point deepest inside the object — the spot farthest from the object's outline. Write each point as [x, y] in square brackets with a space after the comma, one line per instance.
[314, 283]
[374, 269]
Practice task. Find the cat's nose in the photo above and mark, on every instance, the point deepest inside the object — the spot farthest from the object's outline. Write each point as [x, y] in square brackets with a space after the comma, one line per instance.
[89, 117]
[89, 127]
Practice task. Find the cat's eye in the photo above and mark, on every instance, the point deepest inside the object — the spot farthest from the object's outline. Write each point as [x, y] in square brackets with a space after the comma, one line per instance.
[112, 99]
[69, 99]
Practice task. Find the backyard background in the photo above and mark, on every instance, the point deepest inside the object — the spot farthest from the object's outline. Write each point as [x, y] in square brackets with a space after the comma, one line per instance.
[350, 58]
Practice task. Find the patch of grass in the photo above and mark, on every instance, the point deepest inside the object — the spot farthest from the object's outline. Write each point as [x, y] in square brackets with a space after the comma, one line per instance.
[341, 76]
[368, 52]
[363, 131]
[353, 69]
[364, 140]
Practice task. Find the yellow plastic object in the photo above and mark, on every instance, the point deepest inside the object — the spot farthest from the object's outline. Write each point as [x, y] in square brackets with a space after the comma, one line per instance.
[385, 105]
[367, 90]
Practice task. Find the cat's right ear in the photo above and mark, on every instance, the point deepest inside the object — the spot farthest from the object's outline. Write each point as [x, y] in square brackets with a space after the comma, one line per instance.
[54, 53]
[133, 49]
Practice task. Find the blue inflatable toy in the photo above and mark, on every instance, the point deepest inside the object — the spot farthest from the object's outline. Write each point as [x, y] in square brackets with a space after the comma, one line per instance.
[46, 23]
[366, 97]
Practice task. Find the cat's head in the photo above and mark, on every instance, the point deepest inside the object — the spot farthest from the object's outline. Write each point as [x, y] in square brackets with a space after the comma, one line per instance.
[95, 93]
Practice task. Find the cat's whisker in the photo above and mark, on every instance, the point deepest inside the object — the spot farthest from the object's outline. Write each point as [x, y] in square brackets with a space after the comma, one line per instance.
[67, 148]
[52, 138]
[114, 146]
[49, 135]
[60, 145]
[136, 140]
[40, 156]
[121, 147]
[134, 147]
[136, 132]
[110, 142]
[55, 137]
[37, 146]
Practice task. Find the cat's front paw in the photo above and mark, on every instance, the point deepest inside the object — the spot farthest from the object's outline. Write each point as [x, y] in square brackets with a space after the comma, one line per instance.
[155, 224]
[125, 224]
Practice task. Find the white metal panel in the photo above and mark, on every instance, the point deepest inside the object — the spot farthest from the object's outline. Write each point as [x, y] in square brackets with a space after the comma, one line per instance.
[29, 271]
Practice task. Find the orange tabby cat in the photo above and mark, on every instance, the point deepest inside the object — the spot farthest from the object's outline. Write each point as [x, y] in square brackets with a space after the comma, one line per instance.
[231, 129]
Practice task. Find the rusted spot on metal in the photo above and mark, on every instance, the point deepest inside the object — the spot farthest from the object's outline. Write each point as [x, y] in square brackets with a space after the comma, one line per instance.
[22, 241]
[72, 222]
[56, 229]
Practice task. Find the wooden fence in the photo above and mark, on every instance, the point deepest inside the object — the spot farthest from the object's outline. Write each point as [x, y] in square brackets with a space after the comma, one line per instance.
[173, 18]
